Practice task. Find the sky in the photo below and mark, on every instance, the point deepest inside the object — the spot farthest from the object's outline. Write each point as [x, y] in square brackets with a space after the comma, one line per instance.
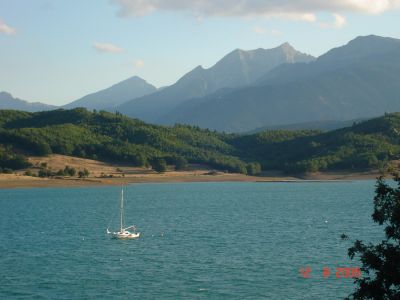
[56, 51]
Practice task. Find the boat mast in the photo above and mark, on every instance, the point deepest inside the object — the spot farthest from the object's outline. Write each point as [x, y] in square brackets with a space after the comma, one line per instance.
[122, 210]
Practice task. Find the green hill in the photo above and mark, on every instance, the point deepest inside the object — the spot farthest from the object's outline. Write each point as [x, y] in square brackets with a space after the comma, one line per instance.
[116, 138]
[369, 144]
[113, 137]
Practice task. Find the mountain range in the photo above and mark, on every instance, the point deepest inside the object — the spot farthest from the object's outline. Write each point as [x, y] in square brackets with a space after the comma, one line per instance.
[263, 88]
[7, 101]
[237, 69]
[358, 80]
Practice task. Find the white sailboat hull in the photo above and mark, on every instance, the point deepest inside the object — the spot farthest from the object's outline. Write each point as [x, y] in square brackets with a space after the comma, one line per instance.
[125, 235]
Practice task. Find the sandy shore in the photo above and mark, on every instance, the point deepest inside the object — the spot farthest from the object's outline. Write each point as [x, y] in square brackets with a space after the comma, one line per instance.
[21, 181]
[123, 175]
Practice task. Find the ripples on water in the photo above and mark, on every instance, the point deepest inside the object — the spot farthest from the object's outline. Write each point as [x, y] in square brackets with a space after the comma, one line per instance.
[199, 241]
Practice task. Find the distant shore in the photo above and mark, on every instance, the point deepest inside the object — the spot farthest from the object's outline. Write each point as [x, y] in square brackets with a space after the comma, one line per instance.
[21, 181]
[103, 174]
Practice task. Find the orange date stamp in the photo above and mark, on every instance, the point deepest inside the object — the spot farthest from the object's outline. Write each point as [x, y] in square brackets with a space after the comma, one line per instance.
[339, 272]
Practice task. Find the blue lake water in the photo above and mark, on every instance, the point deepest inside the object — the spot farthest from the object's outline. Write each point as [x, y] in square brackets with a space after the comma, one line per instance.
[199, 240]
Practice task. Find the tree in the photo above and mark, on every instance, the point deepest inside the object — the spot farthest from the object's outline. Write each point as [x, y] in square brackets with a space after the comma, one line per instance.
[253, 169]
[83, 174]
[381, 262]
[140, 160]
[43, 149]
[60, 173]
[43, 173]
[69, 171]
[28, 173]
[180, 163]
[159, 165]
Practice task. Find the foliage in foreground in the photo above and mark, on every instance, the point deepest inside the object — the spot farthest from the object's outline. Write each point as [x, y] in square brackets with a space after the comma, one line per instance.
[381, 262]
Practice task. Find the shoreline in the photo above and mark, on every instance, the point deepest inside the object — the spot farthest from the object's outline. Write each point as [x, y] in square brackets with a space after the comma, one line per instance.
[106, 174]
[15, 181]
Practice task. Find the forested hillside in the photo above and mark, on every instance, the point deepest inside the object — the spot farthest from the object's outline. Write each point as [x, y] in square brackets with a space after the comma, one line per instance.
[369, 144]
[116, 138]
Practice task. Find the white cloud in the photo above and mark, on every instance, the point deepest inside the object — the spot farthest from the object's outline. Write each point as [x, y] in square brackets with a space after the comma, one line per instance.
[338, 22]
[292, 9]
[263, 31]
[106, 47]
[373, 6]
[139, 63]
[6, 29]
[306, 17]
[259, 30]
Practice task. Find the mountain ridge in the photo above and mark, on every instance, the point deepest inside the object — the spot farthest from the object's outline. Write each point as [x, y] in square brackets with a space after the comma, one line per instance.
[362, 86]
[7, 101]
[114, 95]
[237, 68]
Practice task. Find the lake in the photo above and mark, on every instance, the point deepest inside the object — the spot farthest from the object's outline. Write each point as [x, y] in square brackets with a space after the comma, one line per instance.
[199, 240]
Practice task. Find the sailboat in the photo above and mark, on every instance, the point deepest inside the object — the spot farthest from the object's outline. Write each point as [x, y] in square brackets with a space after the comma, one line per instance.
[124, 232]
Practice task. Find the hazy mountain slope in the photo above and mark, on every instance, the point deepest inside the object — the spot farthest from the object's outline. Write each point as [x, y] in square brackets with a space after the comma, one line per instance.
[115, 95]
[237, 69]
[7, 101]
[359, 80]
[357, 50]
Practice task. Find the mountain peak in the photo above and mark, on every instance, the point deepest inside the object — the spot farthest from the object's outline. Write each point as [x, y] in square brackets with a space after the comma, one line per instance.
[287, 45]
[240, 52]
[4, 94]
[372, 39]
[360, 48]
[235, 53]
[289, 50]
[137, 78]
[123, 91]
[199, 68]
[134, 80]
